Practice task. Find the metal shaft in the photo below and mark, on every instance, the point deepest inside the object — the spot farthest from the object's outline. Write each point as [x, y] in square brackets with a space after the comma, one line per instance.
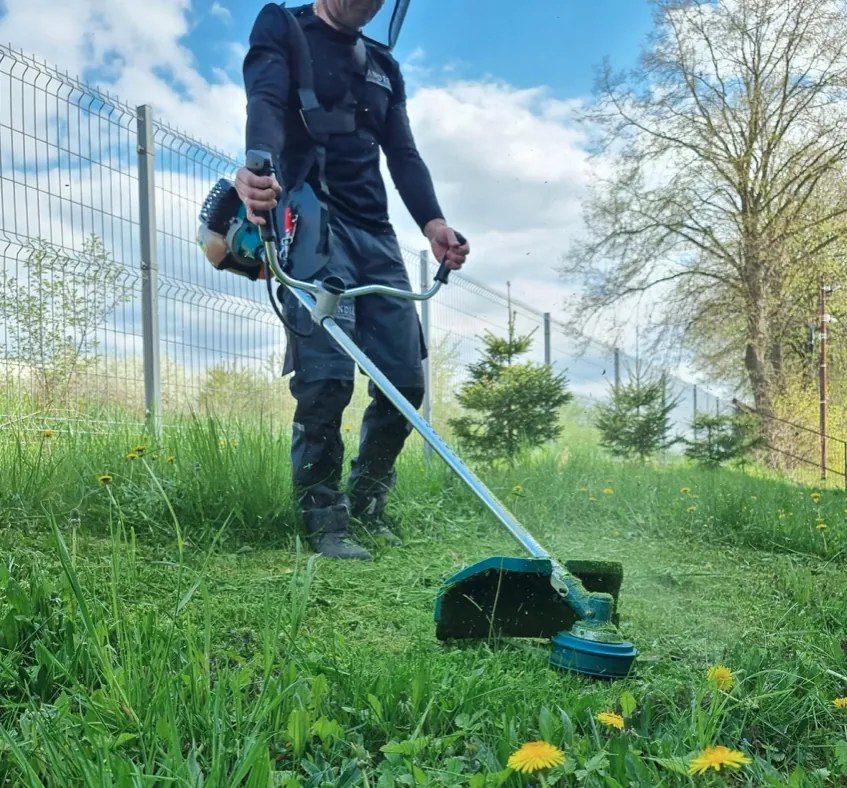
[427, 432]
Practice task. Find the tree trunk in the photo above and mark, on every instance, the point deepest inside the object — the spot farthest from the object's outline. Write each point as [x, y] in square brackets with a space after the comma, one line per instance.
[757, 372]
[777, 367]
[758, 359]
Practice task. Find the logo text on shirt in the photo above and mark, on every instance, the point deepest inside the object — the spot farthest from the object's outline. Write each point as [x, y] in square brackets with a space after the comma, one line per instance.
[378, 78]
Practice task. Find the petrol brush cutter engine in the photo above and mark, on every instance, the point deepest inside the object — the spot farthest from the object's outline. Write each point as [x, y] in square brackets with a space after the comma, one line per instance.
[574, 604]
[229, 241]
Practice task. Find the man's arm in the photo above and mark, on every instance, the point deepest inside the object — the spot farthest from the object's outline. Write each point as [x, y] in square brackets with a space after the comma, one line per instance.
[414, 183]
[266, 78]
[408, 171]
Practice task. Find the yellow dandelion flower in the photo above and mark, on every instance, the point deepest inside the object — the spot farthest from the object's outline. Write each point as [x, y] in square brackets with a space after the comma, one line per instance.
[104, 478]
[840, 703]
[47, 433]
[815, 496]
[170, 460]
[132, 456]
[608, 491]
[535, 755]
[517, 489]
[684, 490]
[820, 526]
[610, 719]
[715, 757]
[721, 677]
[139, 449]
[691, 509]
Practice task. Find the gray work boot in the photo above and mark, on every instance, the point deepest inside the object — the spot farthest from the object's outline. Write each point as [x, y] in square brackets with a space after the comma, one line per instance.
[370, 513]
[327, 530]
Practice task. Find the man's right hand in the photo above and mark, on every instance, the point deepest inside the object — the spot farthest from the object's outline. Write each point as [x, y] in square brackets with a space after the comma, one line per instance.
[258, 193]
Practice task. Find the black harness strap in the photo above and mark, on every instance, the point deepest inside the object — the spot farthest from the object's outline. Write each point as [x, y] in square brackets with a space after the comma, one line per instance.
[320, 123]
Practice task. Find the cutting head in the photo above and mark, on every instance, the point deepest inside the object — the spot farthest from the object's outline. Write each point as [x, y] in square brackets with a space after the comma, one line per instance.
[514, 597]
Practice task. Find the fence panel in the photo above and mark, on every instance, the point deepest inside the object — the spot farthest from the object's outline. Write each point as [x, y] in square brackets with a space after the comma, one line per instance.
[69, 309]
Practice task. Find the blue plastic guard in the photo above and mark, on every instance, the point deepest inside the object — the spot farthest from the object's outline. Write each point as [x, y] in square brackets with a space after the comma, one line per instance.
[501, 596]
[513, 597]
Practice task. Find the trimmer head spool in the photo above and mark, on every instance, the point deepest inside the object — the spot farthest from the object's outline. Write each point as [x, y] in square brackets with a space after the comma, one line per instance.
[578, 652]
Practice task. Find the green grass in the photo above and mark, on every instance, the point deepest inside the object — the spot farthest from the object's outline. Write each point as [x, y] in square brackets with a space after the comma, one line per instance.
[168, 629]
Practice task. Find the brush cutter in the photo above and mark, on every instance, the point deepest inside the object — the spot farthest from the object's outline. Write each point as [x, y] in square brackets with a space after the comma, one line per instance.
[573, 604]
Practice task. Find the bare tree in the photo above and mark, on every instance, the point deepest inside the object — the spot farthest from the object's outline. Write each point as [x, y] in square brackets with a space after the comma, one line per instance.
[728, 146]
[53, 312]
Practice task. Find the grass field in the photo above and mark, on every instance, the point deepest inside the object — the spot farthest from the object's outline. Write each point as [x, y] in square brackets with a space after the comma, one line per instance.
[162, 626]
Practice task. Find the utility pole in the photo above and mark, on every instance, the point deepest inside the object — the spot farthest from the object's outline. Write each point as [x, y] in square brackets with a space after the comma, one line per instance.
[824, 319]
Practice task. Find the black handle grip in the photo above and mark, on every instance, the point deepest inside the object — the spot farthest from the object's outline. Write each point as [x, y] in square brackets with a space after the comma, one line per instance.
[260, 162]
[443, 273]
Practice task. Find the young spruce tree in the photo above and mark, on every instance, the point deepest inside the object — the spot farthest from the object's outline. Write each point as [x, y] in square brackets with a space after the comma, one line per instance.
[724, 438]
[636, 421]
[510, 405]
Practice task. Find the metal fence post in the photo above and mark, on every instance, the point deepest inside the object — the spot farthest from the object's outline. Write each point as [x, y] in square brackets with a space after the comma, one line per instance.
[547, 353]
[427, 370]
[617, 369]
[149, 270]
[694, 414]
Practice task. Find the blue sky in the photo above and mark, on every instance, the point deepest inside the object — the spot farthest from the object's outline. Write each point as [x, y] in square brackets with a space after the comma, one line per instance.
[556, 43]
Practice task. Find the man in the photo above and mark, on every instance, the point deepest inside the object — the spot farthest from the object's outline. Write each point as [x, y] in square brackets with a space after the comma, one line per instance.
[363, 249]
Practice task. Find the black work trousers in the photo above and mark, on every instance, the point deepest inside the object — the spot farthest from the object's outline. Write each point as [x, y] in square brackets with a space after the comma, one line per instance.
[388, 331]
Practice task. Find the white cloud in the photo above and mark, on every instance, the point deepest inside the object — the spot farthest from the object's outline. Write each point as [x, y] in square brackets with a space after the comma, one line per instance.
[510, 171]
[508, 163]
[135, 51]
[220, 11]
[235, 52]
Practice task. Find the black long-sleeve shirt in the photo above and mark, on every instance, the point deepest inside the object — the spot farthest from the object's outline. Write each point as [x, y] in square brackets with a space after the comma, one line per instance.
[356, 188]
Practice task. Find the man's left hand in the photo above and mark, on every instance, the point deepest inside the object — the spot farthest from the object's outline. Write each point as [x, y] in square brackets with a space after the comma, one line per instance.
[445, 245]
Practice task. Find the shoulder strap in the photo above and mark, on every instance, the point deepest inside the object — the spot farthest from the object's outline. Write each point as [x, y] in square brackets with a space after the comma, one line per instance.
[320, 122]
[301, 64]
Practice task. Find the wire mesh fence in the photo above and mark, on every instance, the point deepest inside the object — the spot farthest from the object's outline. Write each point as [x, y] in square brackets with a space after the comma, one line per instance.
[68, 222]
[72, 307]
[800, 453]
